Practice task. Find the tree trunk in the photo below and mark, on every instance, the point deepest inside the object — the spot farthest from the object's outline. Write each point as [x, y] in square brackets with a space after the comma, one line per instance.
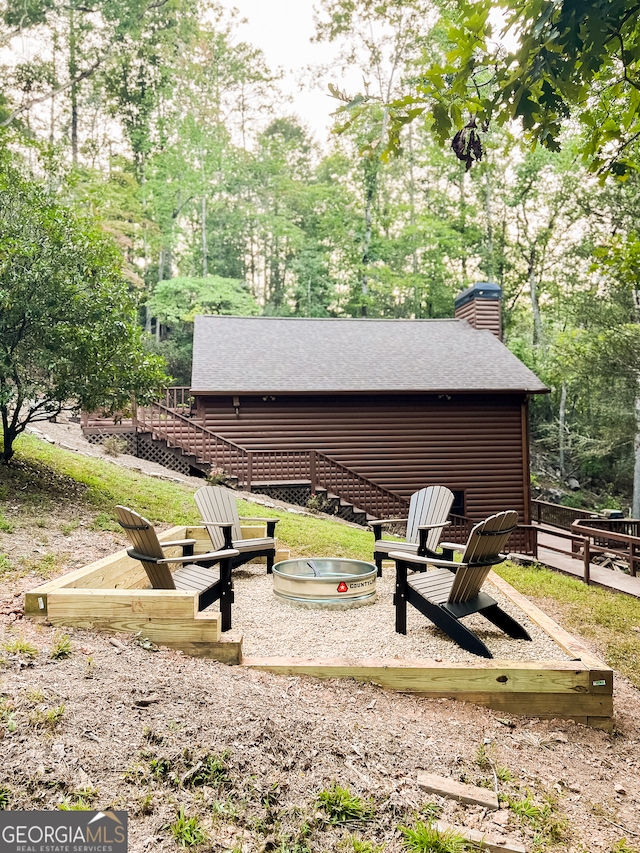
[203, 235]
[371, 173]
[635, 509]
[487, 210]
[73, 72]
[535, 305]
[370, 193]
[562, 419]
[463, 225]
[417, 289]
[9, 435]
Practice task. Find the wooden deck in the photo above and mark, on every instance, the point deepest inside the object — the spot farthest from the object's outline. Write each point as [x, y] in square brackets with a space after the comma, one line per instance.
[549, 540]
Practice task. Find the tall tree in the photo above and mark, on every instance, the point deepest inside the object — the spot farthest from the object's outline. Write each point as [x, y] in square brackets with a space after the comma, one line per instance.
[68, 335]
[382, 39]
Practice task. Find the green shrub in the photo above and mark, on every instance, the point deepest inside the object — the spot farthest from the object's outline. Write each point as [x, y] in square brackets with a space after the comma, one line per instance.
[426, 838]
[187, 831]
[61, 647]
[342, 806]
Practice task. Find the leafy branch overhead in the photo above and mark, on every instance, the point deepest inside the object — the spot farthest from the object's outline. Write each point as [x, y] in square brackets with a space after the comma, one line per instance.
[568, 59]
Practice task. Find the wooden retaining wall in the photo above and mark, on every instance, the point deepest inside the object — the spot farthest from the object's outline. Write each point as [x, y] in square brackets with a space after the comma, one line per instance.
[109, 595]
[580, 689]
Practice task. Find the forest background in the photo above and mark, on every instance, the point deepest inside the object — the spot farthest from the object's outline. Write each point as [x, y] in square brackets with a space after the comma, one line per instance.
[155, 121]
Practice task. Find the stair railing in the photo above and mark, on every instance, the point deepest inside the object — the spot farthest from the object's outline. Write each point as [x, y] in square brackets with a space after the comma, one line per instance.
[353, 487]
[252, 466]
[178, 397]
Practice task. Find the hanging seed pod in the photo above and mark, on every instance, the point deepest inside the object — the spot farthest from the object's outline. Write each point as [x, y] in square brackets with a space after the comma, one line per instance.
[467, 145]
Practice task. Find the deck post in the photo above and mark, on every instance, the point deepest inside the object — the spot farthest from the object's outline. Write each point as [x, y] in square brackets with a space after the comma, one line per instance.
[587, 560]
[247, 485]
[312, 470]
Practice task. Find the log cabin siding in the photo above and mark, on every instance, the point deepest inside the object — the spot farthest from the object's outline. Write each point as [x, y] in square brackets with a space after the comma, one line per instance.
[470, 443]
[482, 314]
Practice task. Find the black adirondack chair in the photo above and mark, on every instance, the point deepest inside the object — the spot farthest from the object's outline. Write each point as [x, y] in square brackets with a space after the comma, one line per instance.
[196, 572]
[449, 591]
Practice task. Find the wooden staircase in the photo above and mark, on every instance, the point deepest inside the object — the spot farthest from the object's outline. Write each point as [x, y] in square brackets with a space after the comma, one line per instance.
[346, 493]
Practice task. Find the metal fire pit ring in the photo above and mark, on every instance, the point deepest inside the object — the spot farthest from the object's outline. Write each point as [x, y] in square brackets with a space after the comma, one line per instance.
[325, 583]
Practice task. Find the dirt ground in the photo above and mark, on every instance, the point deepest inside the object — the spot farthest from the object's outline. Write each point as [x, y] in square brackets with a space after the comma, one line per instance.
[116, 725]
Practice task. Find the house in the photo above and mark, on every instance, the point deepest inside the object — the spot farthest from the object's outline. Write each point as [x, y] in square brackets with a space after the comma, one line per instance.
[398, 404]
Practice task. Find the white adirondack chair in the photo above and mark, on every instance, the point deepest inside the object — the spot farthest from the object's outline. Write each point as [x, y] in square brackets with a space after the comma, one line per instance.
[219, 513]
[428, 513]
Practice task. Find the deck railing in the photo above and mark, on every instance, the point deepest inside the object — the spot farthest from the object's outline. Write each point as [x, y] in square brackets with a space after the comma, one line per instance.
[579, 545]
[178, 397]
[543, 512]
[627, 526]
[250, 466]
[606, 540]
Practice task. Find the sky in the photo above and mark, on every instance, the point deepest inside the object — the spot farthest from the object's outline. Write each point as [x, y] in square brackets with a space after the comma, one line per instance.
[282, 29]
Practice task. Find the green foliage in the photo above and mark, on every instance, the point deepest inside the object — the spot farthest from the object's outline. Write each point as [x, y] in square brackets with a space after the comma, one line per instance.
[319, 503]
[5, 525]
[426, 838]
[217, 477]
[358, 845]
[20, 646]
[160, 767]
[61, 647]
[145, 804]
[623, 846]
[42, 566]
[341, 806]
[211, 770]
[103, 521]
[47, 718]
[178, 300]
[8, 721]
[79, 801]
[5, 798]
[187, 831]
[113, 445]
[568, 59]
[544, 818]
[504, 774]
[66, 325]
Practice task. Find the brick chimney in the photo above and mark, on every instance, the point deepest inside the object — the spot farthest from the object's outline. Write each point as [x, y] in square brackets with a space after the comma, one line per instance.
[481, 306]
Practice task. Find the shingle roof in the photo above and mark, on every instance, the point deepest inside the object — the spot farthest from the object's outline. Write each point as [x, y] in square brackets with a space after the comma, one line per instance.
[277, 354]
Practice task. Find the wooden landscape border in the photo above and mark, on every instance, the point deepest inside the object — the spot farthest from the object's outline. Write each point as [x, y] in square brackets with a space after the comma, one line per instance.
[109, 595]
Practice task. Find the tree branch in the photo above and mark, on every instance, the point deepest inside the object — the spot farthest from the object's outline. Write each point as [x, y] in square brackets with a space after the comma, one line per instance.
[54, 92]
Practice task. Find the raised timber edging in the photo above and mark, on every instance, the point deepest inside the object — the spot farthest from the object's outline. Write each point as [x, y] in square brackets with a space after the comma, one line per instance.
[110, 595]
[580, 689]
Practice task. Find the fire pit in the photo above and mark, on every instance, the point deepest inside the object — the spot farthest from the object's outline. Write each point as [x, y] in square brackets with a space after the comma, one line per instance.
[330, 583]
